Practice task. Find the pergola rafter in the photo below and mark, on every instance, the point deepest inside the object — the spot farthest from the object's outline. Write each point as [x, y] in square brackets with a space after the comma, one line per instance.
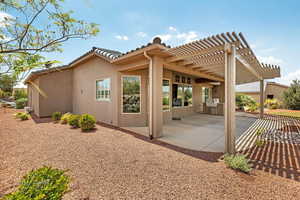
[203, 55]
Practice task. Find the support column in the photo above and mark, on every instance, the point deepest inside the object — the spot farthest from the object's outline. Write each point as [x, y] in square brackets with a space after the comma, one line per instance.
[230, 81]
[155, 95]
[261, 100]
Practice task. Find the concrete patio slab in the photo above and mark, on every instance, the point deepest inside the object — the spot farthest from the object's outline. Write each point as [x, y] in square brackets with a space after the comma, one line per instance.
[199, 132]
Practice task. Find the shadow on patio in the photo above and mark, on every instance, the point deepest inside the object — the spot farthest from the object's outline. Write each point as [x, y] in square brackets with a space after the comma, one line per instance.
[280, 155]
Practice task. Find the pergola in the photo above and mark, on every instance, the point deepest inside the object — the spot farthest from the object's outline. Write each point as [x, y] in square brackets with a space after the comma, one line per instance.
[224, 57]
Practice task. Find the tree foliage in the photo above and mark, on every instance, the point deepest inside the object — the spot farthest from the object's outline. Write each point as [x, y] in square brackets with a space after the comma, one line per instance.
[30, 27]
[7, 82]
[292, 96]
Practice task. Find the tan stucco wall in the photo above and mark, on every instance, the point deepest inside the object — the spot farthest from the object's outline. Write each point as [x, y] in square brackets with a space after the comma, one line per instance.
[84, 90]
[33, 97]
[218, 91]
[58, 90]
[276, 90]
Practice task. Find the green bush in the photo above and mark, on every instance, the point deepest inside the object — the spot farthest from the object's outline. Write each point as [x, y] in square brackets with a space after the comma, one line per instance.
[18, 94]
[259, 142]
[21, 103]
[252, 108]
[65, 118]
[272, 104]
[238, 162]
[73, 121]
[292, 96]
[56, 116]
[243, 100]
[41, 184]
[22, 116]
[87, 122]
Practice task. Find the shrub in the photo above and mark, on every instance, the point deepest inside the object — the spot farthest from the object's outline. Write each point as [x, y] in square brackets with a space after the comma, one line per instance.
[272, 103]
[18, 94]
[87, 122]
[292, 96]
[73, 121]
[259, 131]
[22, 116]
[238, 162]
[260, 143]
[56, 116]
[41, 184]
[65, 118]
[21, 103]
[243, 100]
[252, 108]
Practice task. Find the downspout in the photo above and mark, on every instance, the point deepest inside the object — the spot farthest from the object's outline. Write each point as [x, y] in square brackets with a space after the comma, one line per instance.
[150, 94]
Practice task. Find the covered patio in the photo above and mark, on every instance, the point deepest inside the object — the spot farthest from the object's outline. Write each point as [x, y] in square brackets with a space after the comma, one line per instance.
[225, 60]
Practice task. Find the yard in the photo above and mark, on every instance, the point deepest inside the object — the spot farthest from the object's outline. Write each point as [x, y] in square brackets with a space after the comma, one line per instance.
[284, 112]
[110, 164]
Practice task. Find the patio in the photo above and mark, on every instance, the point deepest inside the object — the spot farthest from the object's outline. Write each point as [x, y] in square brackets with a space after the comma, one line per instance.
[200, 132]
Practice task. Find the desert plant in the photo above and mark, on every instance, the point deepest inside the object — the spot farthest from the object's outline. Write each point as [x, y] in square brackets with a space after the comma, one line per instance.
[260, 142]
[272, 103]
[292, 96]
[243, 101]
[18, 94]
[87, 122]
[56, 116]
[45, 183]
[22, 116]
[238, 162]
[65, 118]
[259, 131]
[251, 107]
[73, 121]
[21, 103]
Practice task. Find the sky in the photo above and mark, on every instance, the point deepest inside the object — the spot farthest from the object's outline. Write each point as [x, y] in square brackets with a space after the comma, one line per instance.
[271, 27]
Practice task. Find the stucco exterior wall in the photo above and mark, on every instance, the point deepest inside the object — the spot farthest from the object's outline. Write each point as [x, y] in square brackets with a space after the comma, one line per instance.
[57, 87]
[33, 97]
[84, 90]
[276, 90]
[219, 92]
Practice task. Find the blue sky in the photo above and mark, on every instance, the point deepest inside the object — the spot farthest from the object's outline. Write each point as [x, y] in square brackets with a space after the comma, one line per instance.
[271, 27]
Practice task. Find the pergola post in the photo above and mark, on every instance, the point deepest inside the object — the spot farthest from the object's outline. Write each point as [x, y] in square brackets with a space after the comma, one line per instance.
[230, 81]
[261, 99]
[155, 96]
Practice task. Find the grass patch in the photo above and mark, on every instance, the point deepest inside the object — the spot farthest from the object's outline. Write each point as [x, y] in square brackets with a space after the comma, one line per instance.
[238, 162]
[44, 183]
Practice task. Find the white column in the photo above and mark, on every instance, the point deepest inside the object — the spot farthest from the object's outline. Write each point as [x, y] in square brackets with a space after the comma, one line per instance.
[230, 80]
[156, 120]
[261, 99]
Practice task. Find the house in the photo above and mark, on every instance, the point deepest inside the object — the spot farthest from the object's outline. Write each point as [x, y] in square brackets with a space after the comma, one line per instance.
[153, 84]
[272, 90]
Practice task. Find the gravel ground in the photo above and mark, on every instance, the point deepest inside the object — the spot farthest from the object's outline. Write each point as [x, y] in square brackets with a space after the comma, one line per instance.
[110, 164]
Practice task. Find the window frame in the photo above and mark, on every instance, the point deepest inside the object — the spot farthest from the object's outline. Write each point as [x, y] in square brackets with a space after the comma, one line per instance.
[183, 85]
[140, 79]
[170, 95]
[103, 99]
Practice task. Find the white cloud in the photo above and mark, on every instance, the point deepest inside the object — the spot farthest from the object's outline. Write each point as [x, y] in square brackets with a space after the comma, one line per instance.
[188, 37]
[121, 37]
[171, 28]
[270, 60]
[5, 18]
[165, 37]
[141, 34]
[287, 79]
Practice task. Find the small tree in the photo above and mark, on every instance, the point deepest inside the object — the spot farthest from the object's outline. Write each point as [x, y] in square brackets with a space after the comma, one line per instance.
[292, 96]
[7, 82]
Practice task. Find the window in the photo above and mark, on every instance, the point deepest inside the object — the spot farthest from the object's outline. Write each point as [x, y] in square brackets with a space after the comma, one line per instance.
[166, 95]
[182, 95]
[206, 94]
[177, 91]
[177, 78]
[131, 91]
[103, 89]
[270, 96]
[188, 95]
